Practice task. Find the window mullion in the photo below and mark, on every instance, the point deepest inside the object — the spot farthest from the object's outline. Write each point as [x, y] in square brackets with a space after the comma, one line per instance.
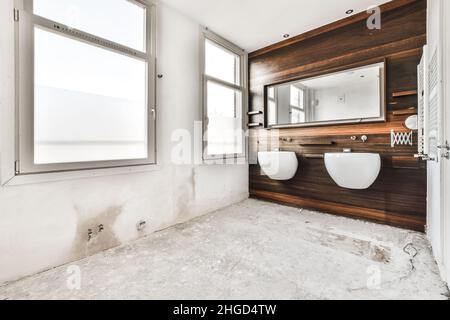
[88, 38]
[224, 83]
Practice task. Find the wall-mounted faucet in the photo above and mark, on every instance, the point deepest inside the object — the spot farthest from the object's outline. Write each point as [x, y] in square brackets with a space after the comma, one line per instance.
[363, 138]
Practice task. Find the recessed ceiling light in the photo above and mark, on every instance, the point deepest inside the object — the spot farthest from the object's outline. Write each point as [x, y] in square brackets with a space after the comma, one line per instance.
[286, 36]
[350, 11]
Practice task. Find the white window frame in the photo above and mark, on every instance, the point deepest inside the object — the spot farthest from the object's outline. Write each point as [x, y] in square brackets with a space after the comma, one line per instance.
[24, 56]
[274, 100]
[301, 102]
[206, 34]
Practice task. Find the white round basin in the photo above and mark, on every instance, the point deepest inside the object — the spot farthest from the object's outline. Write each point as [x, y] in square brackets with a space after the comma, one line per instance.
[278, 165]
[353, 170]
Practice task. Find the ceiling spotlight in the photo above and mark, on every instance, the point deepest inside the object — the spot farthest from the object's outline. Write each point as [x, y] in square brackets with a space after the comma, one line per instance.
[350, 11]
[286, 36]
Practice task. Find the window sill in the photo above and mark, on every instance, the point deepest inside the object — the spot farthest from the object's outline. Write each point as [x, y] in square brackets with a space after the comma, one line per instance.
[19, 180]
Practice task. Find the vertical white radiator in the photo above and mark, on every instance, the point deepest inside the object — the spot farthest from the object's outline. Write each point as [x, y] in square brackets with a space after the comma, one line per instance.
[422, 96]
[433, 125]
[429, 109]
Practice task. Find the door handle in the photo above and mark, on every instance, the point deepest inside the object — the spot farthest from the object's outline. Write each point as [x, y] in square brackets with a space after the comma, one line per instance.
[445, 146]
[445, 149]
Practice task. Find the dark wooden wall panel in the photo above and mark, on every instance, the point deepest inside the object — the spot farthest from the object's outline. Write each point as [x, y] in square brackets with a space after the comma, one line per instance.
[398, 197]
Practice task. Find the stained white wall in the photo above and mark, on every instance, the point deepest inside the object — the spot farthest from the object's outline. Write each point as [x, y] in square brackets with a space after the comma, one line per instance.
[45, 225]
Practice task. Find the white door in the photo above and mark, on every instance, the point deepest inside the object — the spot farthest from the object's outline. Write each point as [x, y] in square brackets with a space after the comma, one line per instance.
[446, 134]
[436, 115]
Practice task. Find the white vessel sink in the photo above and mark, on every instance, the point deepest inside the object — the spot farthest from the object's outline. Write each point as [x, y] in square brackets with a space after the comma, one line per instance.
[353, 170]
[278, 165]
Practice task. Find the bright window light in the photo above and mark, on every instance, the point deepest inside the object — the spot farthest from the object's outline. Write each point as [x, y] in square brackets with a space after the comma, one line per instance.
[84, 109]
[224, 127]
[224, 96]
[86, 101]
[221, 63]
[119, 21]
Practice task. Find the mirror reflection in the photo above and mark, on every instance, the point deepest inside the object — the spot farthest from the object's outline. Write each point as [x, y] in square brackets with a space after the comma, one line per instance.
[354, 95]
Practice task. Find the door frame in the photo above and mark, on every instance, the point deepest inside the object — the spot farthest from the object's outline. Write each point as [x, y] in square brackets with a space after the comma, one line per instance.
[445, 228]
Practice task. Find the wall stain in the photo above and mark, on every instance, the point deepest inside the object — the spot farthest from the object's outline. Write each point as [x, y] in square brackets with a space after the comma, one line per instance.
[106, 239]
[184, 195]
[194, 183]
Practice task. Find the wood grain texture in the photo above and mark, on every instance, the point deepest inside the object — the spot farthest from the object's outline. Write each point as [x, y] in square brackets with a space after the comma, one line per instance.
[404, 93]
[332, 26]
[380, 216]
[398, 197]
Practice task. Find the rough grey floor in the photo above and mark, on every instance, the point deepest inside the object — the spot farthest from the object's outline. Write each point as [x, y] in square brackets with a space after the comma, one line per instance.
[254, 250]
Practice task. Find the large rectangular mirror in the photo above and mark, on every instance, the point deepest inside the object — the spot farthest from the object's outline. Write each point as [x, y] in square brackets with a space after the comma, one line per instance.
[350, 96]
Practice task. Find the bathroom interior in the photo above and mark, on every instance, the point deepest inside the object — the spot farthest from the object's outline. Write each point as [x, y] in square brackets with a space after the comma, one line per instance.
[178, 149]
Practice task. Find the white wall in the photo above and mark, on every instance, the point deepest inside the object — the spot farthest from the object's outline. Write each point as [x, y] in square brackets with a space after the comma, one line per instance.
[45, 225]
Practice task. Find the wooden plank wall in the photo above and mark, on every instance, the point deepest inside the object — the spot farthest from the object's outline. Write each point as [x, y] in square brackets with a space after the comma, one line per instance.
[398, 197]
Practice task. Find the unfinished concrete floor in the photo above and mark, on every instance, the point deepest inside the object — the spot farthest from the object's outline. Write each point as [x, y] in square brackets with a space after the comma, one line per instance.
[253, 250]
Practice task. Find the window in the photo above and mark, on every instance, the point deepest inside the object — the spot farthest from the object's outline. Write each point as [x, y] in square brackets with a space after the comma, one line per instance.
[297, 105]
[224, 98]
[272, 106]
[86, 85]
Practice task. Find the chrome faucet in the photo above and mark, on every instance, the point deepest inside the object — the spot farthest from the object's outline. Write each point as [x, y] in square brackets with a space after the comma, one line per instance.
[363, 138]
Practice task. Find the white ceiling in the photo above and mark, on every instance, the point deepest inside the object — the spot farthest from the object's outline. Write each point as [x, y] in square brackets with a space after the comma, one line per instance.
[254, 24]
